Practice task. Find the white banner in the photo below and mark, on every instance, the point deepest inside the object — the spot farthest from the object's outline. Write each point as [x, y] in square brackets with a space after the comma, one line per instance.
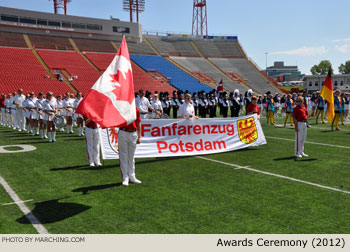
[181, 137]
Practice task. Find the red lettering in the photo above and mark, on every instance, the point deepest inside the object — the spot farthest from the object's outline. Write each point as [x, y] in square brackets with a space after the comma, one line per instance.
[171, 147]
[219, 143]
[143, 126]
[197, 129]
[174, 126]
[230, 130]
[200, 143]
[181, 144]
[182, 131]
[189, 146]
[189, 127]
[214, 129]
[155, 132]
[208, 146]
[163, 147]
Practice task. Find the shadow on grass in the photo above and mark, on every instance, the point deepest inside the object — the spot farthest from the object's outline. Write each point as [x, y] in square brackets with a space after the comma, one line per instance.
[52, 211]
[306, 160]
[161, 159]
[84, 168]
[38, 142]
[285, 158]
[85, 190]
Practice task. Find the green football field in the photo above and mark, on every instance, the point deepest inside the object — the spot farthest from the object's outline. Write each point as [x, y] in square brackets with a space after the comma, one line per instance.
[260, 189]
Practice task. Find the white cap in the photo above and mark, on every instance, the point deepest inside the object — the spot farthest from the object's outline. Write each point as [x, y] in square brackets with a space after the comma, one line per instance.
[250, 91]
[236, 91]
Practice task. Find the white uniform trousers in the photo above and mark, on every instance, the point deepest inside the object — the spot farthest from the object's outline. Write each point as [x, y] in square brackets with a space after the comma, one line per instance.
[92, 145]
[14, 118]
[144, 116]
[127, 146]
[20, 119]
[300, 137]
[3, 116]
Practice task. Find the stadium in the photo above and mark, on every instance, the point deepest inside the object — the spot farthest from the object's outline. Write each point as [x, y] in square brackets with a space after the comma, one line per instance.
[256, 190]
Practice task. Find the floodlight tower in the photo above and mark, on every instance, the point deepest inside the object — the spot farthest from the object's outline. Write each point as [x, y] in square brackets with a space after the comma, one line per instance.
[60, 4]
[132, 6]
[199, 20]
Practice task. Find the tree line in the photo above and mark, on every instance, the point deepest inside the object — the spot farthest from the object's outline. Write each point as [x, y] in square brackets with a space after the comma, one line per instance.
[325, 65]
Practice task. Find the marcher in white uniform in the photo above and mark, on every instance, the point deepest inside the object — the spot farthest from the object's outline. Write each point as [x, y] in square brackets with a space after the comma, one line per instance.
[78, 117]
[92, 142]
[60, 110]
[186, 110]
[26, 113]
[8, 110]
[143, 104]
[128, 137]
[157, 107]
[50, 110]
[20, 119]
[32, 114]
[68, 106]
[39, 104]
[14, 111]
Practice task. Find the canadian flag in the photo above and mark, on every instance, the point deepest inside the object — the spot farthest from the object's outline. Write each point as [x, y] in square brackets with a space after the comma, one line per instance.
[219, 87]
[111, 101]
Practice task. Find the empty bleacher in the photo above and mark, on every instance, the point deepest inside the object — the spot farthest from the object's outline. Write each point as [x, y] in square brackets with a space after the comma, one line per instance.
[12, 39]
[141, 79]
[21, 69]
[94, 45]
[243, 68]
[139, 48]
[219, 48]
[194, 64]
[172, 47]
[74, 64]
[178, 78]
[49, 42]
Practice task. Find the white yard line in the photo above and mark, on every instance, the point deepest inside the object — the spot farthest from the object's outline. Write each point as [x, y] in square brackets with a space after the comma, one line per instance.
[12, 203]
[275, 175]
[28, 214]
[324, 144]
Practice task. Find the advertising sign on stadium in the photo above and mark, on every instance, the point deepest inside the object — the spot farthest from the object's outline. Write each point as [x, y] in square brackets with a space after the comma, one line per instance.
[181, 137]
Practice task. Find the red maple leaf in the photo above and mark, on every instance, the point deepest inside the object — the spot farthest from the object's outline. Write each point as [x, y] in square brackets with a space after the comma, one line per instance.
[124, 92]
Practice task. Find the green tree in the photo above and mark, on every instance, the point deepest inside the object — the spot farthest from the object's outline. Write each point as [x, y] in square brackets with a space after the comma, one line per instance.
[322, 68]
[344, 68]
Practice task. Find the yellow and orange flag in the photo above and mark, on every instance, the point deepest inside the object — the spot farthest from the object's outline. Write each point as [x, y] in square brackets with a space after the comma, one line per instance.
[327, 94]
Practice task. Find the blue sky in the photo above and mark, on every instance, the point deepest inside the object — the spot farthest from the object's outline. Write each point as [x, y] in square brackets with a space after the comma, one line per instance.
[298, 32]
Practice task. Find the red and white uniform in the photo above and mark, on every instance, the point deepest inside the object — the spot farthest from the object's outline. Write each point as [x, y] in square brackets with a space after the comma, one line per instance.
[92, 143]
[299, 113]
[127, 139]
[253, 108]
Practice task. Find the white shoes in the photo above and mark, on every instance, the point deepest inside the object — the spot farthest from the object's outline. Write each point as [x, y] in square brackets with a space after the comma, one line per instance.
[98, 164]
[298, 156]
[135, 181]
[92, 164]
[125, 182]
[304, 155]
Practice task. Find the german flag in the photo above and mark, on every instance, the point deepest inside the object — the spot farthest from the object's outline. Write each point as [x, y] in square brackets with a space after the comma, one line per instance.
[327, 94]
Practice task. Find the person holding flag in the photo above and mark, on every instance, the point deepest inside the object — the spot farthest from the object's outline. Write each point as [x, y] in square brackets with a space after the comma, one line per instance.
[327, 94]
[111, 103]
[337, 109]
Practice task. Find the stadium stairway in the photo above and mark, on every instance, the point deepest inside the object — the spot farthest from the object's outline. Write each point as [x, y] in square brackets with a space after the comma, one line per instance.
[178, 78]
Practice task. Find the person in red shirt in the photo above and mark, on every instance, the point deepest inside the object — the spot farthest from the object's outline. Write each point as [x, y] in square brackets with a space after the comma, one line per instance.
[252, 108]
[92, 142]
[2, 107]
[300, 121]
[128, 137]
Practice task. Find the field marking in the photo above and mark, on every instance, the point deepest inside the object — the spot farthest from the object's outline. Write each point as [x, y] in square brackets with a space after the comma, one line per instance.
[276, 175]
[324, 144]
[25, 148]
[28, 214]
[12, 203]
